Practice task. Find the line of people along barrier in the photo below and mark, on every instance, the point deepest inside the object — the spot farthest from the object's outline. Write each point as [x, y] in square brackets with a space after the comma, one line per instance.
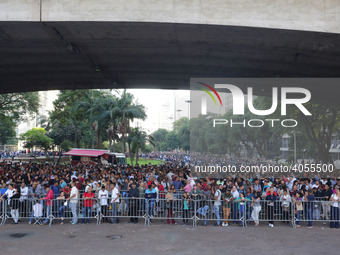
[184, 211]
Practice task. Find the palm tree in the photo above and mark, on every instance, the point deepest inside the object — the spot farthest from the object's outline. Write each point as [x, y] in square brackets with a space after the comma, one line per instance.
[110, 114]
[136, 141]
[94, 106]
[128, 111]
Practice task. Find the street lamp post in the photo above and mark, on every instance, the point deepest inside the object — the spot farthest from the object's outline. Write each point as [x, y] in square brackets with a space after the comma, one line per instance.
[178, 110]
[294, 147]
[188, 102]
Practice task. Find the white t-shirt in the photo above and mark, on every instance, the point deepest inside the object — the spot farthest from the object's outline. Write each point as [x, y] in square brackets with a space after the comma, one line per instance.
[115, 195]
[103, 196]
[24, 192]
[9, 193]
[218, 194]
[74, 191]
[335, 197]
[235, 193]
[169, 175]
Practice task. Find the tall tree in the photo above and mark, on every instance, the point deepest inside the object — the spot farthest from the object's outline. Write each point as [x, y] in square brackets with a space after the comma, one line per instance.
[137, 141]
[128, 111]
[37, 137]
[7, 128]
[159, 137]
[319, 127]
[17, 105]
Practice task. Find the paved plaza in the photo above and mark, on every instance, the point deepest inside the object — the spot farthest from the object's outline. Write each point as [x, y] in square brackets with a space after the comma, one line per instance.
[159, 238]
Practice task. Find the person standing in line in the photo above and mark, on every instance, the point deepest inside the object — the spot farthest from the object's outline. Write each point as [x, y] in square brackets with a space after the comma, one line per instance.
[87, 205]
[335, 198]
[227, 200]
[74, 195]
[14, 205]
[49, 202]
[310, 199]
[103, 196]
[133, 203]
[23, 199]
[186, 203]
[217, 204]
[256, 208]
[286, 203]
[115, 202]
[271, 198]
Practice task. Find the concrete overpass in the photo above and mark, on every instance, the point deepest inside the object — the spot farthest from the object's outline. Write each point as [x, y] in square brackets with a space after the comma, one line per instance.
[69, 44]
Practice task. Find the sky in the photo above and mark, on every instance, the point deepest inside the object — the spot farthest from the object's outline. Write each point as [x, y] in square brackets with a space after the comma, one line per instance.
[159, 103]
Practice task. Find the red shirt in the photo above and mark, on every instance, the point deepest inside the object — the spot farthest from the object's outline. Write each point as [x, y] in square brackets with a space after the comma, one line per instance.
[88, 202]
[67, 192]
[49, 197]
[161, 191]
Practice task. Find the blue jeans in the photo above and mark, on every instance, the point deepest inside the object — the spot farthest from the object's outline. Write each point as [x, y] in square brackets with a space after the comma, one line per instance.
[86, 214]
[203, 211]
[334, 223]
[310, 216]
[298, 217]
[115, 211]
[217, 214]
[151, 204]
[73, 207]
[235, 212]
[48, 213]
[61, 211]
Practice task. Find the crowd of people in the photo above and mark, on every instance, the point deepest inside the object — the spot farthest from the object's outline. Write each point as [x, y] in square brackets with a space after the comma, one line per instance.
[169, 188]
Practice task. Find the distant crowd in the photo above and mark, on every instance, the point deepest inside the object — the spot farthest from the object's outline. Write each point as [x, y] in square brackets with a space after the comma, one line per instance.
[168, 187]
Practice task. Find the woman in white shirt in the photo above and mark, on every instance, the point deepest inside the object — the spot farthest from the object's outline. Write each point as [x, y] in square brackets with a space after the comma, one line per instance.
[286, 201]
[335, 198]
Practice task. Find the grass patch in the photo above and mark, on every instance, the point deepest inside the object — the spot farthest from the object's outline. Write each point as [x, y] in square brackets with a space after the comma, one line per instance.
[143, 161]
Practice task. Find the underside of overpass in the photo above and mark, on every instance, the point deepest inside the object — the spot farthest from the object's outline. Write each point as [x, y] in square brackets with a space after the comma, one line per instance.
[82, 55]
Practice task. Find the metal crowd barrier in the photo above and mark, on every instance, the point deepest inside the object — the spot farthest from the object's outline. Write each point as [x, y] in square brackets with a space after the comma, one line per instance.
[79, 210]
[127, 207]
[171, 210]
[316, 211]
[239, 212]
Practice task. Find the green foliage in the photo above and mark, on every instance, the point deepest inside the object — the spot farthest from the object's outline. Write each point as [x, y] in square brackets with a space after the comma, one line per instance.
[137, 141]
[318, 128]
[37, 137]
[13, 108]
[7, 129]
[17, 105]
[159, 136]
[89, 117]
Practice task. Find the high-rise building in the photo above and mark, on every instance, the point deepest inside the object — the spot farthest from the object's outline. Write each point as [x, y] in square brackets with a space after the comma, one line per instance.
[46, 99]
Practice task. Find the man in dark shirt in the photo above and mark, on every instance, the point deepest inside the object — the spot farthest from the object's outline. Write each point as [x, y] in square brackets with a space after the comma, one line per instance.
[310, 198]
[133, 203]
[326, 194]
[178, 184]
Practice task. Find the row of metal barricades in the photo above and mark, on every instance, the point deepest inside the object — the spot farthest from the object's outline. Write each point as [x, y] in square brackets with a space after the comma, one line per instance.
[174, 211]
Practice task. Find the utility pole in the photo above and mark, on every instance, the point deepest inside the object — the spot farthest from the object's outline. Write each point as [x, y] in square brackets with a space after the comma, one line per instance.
[188, 102]
[294, 147]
